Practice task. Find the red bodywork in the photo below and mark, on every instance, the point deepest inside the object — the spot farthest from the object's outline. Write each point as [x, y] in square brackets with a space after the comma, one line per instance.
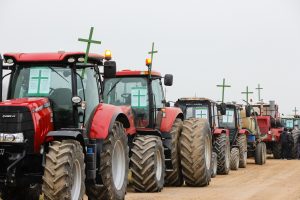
[42, 117]
[103, 118]
[218, 131]
[272, 134]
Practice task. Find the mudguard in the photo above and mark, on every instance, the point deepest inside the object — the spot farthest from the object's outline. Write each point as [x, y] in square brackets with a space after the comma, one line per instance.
[169, 117]
[244, 131]
[104, 117]
[219, 131]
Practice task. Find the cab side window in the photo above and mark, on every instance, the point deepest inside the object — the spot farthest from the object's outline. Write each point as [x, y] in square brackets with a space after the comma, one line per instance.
[158, 93]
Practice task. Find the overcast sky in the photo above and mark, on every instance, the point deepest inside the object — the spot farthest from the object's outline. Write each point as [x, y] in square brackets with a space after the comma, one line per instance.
[199, 41]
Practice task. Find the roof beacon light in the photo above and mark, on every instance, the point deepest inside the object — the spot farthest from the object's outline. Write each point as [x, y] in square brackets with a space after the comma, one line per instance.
[107, 55]
[148, 61]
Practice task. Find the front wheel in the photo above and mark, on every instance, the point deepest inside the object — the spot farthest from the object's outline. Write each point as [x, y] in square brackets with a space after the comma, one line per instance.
[64, 175]
[234, 159]
[147, 164]
[222, 148]
[242, 143]
[114, 161]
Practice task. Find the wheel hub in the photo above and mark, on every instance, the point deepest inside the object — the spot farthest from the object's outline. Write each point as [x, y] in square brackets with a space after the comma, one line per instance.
[118, 164]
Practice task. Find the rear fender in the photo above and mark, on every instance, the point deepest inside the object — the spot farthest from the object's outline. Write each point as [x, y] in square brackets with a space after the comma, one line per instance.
[276, 132]
[169, 117]
[219, 131]
[103, 120]
[243, 132]
[65, 134]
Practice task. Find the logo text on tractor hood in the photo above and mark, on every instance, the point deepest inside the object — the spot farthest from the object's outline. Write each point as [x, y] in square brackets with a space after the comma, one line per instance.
[8, 116]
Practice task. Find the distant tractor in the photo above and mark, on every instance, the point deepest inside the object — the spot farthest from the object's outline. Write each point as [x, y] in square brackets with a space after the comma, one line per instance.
[56, 135]
[290, 122]
[206, 113]
[269, 122]
[242, 131]
[154, 128]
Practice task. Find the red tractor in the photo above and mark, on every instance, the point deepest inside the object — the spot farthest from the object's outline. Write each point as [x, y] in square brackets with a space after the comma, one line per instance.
[56, 135]
[207, 111]
[269, 122]
[154, 127]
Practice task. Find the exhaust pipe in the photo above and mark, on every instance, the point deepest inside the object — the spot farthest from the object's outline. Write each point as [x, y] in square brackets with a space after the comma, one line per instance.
[1, 74]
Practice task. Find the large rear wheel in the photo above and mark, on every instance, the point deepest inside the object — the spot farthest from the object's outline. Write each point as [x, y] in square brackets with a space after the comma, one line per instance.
[174, 177]
[196, 152]
[114, 164]
[64, 175]
[222, 148]
[147, 164]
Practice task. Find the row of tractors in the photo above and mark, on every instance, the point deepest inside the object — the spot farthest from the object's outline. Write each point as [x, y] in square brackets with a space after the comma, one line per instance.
[70, 128]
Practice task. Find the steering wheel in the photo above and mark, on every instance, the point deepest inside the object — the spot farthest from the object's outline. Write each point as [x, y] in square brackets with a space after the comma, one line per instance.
[125, 95]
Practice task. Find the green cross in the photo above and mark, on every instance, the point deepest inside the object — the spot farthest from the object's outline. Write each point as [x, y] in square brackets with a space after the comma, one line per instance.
[247, 94]
[228, 115]
[201, 114]
[295, 110]
[152, 52]
[223, 88]
[139, 95]
[89, 42]
[39, 78]
[259, 89]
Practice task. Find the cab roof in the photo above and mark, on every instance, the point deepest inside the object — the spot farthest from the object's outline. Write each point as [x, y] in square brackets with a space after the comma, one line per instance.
[128, 72]
[195, 99]
[50, 57]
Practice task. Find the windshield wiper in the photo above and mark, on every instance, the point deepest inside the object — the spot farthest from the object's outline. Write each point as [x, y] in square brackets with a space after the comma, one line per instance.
[58, 74]
[113, 87]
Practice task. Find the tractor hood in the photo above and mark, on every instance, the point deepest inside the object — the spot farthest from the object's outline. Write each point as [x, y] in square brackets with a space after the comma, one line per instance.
[34, 104]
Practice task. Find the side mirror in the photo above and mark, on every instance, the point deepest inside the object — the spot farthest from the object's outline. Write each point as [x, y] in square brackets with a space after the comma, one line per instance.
[110, 69]
[168, 80]
[222, 108]
[248, 111]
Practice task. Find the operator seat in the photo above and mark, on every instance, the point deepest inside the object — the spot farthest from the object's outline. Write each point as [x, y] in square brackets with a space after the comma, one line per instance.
[61, 99]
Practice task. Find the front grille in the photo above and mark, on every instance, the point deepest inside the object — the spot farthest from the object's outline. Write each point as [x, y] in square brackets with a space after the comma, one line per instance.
[17, 119]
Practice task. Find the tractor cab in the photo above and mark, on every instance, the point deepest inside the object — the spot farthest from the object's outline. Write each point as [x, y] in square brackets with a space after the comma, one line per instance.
[143, 93]
[59, 81]
[231, 120]
[290, 122]
[200, 108]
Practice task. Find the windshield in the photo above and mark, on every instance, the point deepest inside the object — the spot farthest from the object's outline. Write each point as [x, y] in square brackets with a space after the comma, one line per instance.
[197, 112]
[227, 121]
[130, 91]
[266, 110]
[41, 81]
[290, 123]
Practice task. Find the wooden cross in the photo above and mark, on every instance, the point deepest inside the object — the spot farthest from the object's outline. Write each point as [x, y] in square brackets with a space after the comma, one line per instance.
[259, 89]
[295, 110]
[152, 52]
[89, 42]
[247, 94]
[223, 86]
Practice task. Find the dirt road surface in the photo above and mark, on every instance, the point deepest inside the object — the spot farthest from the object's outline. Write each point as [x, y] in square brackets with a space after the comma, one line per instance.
[277, 180]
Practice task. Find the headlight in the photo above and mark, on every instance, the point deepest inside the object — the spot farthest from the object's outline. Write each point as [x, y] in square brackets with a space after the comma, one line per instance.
[12, 137]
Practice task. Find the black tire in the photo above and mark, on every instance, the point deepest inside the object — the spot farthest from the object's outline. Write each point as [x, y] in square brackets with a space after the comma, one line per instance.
[234, 158]
[260, 152]
[64, 157]
[276, 150]
[147, 164]
[294, 149]
[242, 142]
[264, 153]
[174, 177]
[196, 152]
[222, 148]
[214, 165]
[116, 142]
[21, 193]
